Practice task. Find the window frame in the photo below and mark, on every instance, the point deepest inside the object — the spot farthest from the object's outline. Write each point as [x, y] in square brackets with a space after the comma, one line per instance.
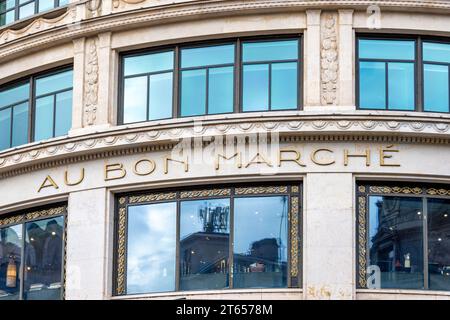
[366, 189]
[419, 63]
[31, 80]
[237, 76]
[23, 217]
[292, 190]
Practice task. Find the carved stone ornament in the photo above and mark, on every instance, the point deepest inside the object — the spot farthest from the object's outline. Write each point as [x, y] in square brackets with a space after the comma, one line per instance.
[91, 83]
[94, 8]
[329, 60]
[116, 3]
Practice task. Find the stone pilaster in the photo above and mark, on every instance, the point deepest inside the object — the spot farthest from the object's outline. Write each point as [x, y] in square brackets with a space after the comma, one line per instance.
[346, 59]
[312, 59]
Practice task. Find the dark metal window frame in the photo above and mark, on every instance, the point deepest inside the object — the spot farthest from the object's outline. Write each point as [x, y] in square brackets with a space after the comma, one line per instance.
[237, 85]
[367, 189]
[18, 6]
[31, 80]
[36, 214]
[292, 190]
[418, 67]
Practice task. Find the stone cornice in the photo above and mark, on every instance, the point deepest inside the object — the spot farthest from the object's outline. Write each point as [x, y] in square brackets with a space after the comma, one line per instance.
[32, 37]
[288, 127]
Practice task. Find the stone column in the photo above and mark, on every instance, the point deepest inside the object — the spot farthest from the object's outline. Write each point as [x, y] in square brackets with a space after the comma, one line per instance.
[88, 234]
[78, 81]
[329, 254]
[346, 59]
[312, 59]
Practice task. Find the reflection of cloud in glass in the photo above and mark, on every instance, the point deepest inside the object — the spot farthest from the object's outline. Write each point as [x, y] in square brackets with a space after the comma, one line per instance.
[151, 248]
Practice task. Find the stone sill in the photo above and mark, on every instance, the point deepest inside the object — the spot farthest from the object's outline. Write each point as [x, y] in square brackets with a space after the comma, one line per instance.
[405, 292]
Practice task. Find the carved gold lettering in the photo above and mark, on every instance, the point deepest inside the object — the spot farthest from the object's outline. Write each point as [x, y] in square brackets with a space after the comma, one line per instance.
[113, 168]
[237, 155]
[322, 162]
[296, 158]
[48, 182]
[166, 164]
[259, 159]
[384, 156]
[366, 155]
[68, 183]
[151, 167]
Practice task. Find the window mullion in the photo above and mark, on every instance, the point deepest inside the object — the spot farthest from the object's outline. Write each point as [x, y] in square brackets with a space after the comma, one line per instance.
[22, 264]
[231, 243]
[31, 111]
[425, 244]
[177, 248]
[419, 84]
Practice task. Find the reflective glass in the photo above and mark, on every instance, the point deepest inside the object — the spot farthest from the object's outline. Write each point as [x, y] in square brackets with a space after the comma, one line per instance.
[387, 49]
[260, 242]
[207, 56]
[372, 85]
[396, 241]
[9, 4]
[135, 100]
[284, 86]
[439, 244]
[53, 83]
[270, 50]
[151, 248]
[43, 259]
[20, 125]
[10, 17]
[256, 87]
[401, 86]
[2, 6]
[43, 126]
[5, 128]
[45, 5]
[436, 88]
[204, 244]
[10, 261]
[26, 10]
[193, 92]
[438, 52]
[63, 115]
[2, 19]
[161, 96]
[148, 63]
[63, 2]
[14, 95]
[220, 90]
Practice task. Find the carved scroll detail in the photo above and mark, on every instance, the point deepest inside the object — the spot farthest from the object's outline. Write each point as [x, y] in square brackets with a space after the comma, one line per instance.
[91, 83]
[329, 60]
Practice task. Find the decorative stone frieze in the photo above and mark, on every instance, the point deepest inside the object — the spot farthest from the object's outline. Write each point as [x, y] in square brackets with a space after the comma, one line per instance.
[329, 59]
[91, 83]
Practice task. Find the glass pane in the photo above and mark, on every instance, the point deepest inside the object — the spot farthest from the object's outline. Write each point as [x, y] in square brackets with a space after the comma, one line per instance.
[10, 17]
[439, 244]
[256, 87]
[43, 125]
[2, 6]
[135, 100]
[148, 63]
[401, 86]
[284, 86]
[26, 10]
[267, 51]
[2, 19]
[204, 244]
[387, 49]
[46, 5]
[193, 92]
[151, 248]
[63, 113]
[14, 95]
[43, 259]
[5, 128]
[161, 96]
[436, 88]
[63, 2]
[20, 125]
[396, 241]
[53, 83]
[220, 90]
[10, 260]
[260, 242]
[207, 56]
[372, 85]
[439, 52]
[10, 4]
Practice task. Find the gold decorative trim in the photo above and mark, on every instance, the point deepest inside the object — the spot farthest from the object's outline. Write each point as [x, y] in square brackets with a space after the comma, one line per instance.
[205, 193]
[395, 190]
[260, 190]
[362, 189]
[438, 192]
[362, 242]
[153, 197]
[33, 215]
[121, 252]
[295, 189]
[294, 236]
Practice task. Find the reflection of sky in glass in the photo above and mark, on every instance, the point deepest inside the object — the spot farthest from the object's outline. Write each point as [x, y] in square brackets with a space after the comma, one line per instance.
[151, 248]
[257, 218]
[373, 215]
[190, 221]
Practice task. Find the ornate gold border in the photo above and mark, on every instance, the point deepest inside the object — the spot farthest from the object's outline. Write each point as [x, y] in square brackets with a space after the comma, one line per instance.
[294, 234]
[362, 241]
[205, 193]
[261, 190]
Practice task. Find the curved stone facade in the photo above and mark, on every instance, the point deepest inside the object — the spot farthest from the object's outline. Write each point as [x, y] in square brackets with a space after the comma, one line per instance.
[329, 146]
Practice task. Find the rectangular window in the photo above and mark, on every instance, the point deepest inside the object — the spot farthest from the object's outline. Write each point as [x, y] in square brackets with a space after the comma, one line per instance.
[403, 240]
[387, 77]
[32, 255]
[51, 101]
[12, 10]
[208, 239]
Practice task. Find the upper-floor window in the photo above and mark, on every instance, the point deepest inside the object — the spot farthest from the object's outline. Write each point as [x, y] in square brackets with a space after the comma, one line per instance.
[13, 10]
[403, 74]
[37, 108]
[236, 76]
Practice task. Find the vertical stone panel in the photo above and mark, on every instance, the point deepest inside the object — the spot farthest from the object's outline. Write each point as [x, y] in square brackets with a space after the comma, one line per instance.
[329, 59]
[312, 59]
[346, 59]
